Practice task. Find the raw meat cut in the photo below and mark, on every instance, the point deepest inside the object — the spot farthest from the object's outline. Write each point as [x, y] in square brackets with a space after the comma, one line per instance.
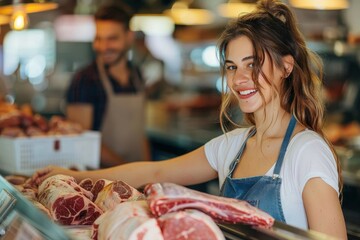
[86, 184]
[169, 197]
[98, 186]
[115, 193]
[125, 221]
[138, 228]
[66, 182]
[68, 203]
[15, 179]
[189, 224]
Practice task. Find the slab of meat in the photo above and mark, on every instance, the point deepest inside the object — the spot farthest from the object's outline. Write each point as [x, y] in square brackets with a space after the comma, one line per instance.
[128, 220]
[98, 186]
[189, 224]
[168, 197]
[66, 182]
[115, 193]
[15, 179]
[86, 184]
[68, 203]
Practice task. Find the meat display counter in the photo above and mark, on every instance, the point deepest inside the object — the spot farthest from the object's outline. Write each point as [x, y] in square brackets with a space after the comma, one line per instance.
[279, 231]
[20, 219]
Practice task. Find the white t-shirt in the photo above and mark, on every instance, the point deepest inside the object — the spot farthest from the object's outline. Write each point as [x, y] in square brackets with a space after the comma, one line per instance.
[307, 156]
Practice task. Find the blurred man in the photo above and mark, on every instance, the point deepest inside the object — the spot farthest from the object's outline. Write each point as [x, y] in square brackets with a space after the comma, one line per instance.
[108, 95]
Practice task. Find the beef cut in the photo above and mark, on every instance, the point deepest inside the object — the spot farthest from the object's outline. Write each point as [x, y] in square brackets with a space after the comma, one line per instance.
[189, 224]
[115, 193]
[127, 220]
[98, 186]
[86, 184]
[169, 197]
[68, 203]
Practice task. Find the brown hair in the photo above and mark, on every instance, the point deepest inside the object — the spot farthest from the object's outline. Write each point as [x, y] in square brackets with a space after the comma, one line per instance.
[273, 32]
[118, 13]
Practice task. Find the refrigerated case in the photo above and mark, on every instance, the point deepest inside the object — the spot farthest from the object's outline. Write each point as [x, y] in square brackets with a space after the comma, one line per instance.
[20, 219]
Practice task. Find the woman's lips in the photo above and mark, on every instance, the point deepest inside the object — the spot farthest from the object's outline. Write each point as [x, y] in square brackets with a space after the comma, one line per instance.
[244, 94]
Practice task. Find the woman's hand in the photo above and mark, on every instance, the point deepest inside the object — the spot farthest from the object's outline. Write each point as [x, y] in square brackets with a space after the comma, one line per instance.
[39, 176]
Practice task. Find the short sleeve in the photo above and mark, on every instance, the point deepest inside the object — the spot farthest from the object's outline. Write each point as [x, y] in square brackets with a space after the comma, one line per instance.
[221, 151]
[315, 159]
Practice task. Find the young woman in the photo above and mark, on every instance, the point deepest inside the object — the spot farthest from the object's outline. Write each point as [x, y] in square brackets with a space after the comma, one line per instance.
[282, 163]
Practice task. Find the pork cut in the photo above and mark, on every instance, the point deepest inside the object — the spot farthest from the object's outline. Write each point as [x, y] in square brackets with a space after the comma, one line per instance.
[189, 224]
[115, 193]
[68, 203]
[169, 197]
[127, 220]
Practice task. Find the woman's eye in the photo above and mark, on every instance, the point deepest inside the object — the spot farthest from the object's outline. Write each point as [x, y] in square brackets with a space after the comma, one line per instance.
[230, 68]
[251, 65]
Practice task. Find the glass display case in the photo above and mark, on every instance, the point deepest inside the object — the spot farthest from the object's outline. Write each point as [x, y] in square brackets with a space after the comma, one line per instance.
[20, 219]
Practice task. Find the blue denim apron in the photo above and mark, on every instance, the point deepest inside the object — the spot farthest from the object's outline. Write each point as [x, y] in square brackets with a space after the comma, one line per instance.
[261, 191]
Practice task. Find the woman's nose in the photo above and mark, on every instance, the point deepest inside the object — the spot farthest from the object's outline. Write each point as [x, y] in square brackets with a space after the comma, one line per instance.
[240, 76]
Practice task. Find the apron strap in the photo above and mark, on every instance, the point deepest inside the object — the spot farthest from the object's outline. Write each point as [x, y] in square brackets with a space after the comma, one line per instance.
[284, 145]
[236, 159]
[104, 78]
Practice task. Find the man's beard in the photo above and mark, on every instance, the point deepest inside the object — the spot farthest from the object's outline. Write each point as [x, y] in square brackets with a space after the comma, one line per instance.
[121, 55]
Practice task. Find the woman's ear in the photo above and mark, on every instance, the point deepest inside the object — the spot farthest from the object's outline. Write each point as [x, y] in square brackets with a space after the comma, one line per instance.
[288, 64]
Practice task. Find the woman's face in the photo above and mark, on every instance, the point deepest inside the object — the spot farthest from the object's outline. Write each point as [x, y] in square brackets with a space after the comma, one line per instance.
[239, 67]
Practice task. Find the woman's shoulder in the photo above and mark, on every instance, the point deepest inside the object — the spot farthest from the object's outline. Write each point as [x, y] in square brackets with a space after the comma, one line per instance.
[306, 137]
[230, 138]
[309, 144]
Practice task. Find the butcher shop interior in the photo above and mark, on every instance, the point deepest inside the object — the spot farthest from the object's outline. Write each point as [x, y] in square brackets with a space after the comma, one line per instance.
[65, 109]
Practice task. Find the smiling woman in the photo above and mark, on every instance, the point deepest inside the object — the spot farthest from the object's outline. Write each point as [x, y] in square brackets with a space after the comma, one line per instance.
[281, 164]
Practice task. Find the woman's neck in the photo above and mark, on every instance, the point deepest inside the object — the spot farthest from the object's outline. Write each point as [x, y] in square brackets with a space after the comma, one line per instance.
[273, 124]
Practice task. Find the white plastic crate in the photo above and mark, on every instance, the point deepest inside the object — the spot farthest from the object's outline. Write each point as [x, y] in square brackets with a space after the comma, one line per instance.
[25, 155]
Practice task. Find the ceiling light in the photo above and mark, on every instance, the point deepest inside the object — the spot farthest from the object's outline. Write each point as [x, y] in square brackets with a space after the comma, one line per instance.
[4, 19]
[18, 10]
[183, 13]
[320, 4]
[7, 6]
[152, 24]
[19, 19]
[233, 9]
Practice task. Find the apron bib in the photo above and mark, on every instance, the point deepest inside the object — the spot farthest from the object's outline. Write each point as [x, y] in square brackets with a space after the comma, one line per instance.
[124, 121]
[261, 191]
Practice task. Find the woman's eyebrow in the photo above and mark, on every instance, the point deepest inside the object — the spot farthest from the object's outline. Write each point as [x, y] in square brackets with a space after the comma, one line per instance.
[243, 59]
[247, 58]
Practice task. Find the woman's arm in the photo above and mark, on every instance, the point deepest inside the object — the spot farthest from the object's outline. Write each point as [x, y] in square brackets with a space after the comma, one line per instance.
[188, 169]
[323, 209]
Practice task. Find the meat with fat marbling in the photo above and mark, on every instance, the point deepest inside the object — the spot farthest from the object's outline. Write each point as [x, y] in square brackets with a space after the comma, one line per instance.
[127, 220]
[68, 203]
[115, 193]
[169, 197]
[189, 224]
